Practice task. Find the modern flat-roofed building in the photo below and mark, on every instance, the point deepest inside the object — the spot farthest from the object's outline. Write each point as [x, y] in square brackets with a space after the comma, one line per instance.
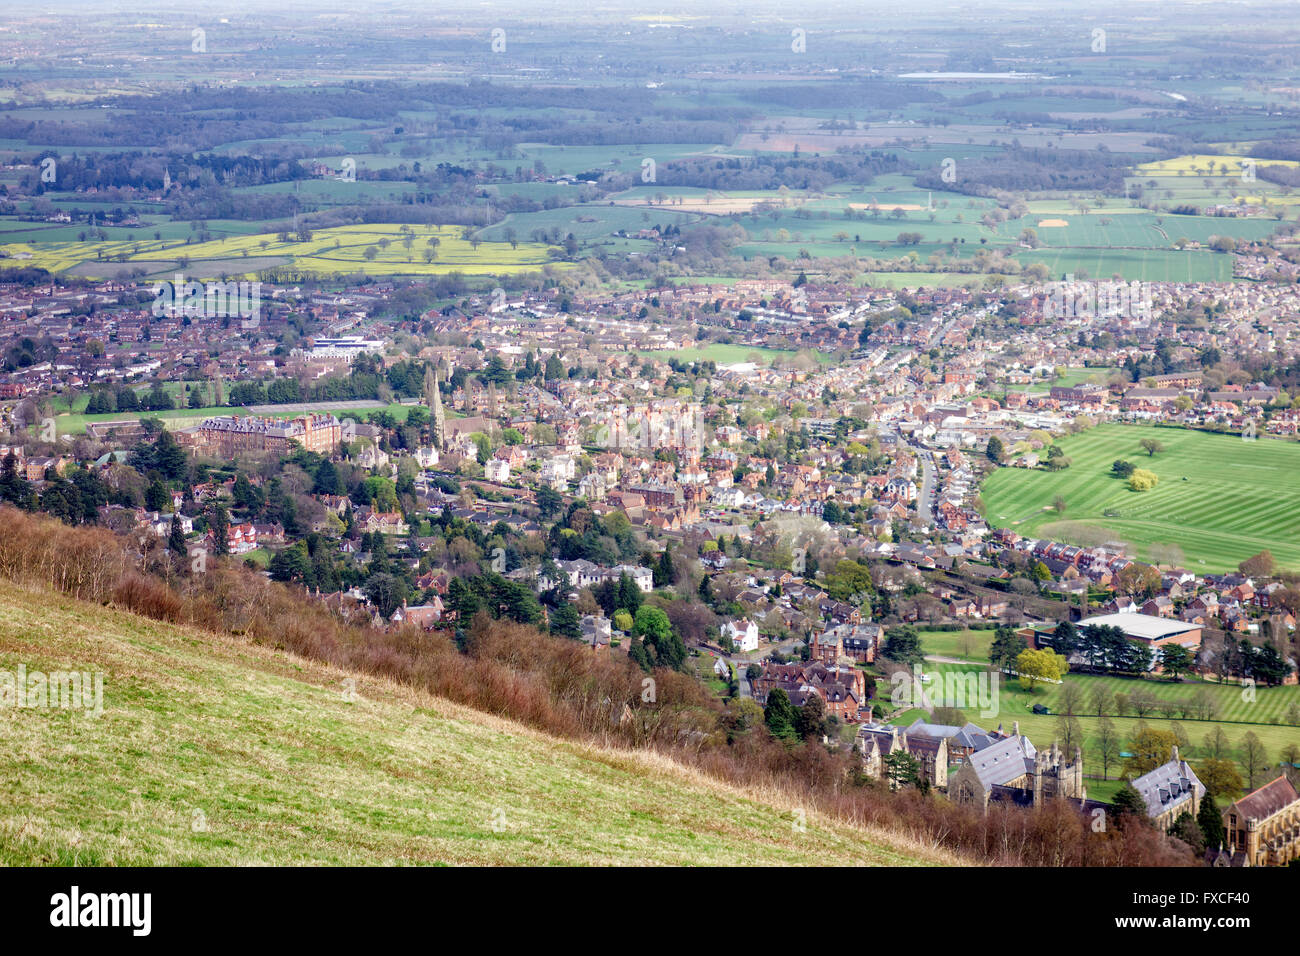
[1154, 632]
[340, 346]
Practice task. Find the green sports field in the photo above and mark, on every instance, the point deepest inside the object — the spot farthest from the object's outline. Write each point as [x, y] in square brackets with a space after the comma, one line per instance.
[1265, 714]
[1238, 498]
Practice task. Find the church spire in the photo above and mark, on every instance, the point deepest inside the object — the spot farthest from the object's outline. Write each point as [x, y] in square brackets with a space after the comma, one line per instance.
[433, 396]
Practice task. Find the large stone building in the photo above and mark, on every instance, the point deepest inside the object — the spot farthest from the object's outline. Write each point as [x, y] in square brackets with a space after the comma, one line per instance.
[1012, 771]
[1262, 828]
[878, 741]
[855, 641]
[1169, 791]
[230, 435]
[841, 688]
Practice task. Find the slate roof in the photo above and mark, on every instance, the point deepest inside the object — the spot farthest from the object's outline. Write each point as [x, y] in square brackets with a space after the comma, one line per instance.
[969, 736]
[1003, 762]
[1168, 786]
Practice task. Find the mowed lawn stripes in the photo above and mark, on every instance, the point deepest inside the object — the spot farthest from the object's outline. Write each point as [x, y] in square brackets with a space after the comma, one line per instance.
[1239, 497]
[1233, 703]
[1265, 712]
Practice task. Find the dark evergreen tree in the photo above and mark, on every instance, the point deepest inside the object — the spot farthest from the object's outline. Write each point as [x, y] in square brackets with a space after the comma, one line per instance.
[565, 621]
[1188, 830]
[176, 537]
[1128, 800]
[1210, 822]
[780, 715]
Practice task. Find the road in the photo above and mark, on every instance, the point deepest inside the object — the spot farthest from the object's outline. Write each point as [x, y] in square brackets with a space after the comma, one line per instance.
[740, 662]
[926, 506]
[925, 499]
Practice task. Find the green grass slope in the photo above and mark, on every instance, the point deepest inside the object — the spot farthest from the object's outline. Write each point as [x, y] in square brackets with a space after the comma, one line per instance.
[214, 751]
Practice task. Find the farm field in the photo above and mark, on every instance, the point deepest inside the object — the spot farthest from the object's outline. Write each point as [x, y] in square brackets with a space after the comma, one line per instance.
[921, 280]
[343, 249]
[1147, 265]
[1124, 240]
[1201, 164]
[587, 222]
[1204, 179]
[578, 159]
[1239, 497]
[1133, 229]
[709, 201]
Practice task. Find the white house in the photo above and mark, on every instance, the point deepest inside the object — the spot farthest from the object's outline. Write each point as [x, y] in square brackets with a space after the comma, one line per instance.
[643, 577]
[743, 633]
[585, 574]
[161, 524]
[729, 498]
[559, 469]
[497, 470]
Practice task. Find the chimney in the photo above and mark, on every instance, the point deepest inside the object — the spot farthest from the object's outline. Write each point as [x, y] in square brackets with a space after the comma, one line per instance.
[1015, 728]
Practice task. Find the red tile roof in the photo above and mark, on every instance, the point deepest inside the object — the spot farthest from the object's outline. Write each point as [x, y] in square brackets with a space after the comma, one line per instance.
[1267, 800]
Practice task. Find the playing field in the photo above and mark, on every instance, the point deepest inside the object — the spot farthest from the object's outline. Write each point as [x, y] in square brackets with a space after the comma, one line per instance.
[1239, 497]
[1264, 714]
[1076, 376]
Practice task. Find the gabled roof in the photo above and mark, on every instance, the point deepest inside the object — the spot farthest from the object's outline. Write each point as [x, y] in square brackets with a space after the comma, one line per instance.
[1267, 800]
[1168, 786]
[1003, 762]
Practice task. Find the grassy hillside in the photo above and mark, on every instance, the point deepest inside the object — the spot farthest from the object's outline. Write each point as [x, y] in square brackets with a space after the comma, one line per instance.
[212, 751]
[1239, 497]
